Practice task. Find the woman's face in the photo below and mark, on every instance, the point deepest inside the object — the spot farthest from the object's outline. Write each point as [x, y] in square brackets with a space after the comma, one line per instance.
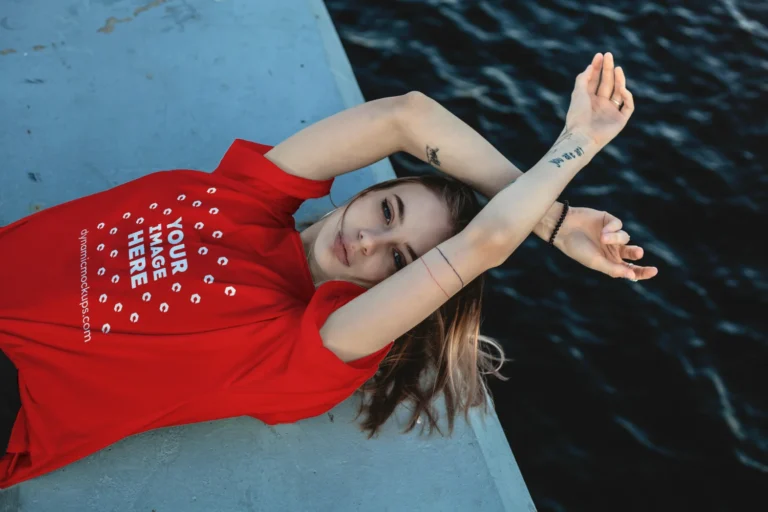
[382, 232]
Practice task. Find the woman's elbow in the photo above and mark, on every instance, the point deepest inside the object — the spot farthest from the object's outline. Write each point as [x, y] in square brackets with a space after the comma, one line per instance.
[490, 245]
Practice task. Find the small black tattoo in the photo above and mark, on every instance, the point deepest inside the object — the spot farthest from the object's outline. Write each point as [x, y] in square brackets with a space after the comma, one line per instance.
[432, 156]
[557, 161]
[568, 155]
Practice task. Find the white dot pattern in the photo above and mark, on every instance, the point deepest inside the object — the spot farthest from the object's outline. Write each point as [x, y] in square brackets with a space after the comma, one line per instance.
[164, 307]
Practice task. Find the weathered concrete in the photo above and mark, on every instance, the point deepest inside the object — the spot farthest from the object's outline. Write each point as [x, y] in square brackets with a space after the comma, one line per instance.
[97, 93]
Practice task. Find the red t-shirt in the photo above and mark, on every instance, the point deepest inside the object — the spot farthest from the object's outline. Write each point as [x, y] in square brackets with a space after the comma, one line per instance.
[178, 297]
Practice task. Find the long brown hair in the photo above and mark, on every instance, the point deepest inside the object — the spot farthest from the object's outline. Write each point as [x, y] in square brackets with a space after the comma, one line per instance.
[445, 353]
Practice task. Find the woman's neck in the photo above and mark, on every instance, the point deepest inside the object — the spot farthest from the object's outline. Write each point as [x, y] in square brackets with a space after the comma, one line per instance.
[308, 240]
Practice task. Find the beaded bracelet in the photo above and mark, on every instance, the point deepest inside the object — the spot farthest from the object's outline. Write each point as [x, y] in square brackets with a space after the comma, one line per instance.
[559, 223]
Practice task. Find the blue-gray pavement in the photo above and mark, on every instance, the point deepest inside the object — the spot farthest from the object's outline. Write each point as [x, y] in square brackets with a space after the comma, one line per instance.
[95, 93]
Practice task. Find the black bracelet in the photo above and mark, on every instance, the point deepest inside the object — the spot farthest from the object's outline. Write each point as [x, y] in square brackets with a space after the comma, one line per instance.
[559, 223]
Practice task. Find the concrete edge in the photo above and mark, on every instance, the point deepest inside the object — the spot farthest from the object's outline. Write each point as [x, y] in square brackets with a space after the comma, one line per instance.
[500, 460]
[490, 437]
[342, 72]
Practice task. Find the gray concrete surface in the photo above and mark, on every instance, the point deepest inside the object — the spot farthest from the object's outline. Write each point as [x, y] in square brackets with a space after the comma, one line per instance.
[94, 93]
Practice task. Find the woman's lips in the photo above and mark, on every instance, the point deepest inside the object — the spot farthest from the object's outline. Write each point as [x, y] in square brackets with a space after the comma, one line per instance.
[340, 250]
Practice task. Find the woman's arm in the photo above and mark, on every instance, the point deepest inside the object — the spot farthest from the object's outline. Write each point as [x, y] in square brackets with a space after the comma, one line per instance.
[462, 152]
[400, 302]
[344, 142]
[366, 133]
[403, 300]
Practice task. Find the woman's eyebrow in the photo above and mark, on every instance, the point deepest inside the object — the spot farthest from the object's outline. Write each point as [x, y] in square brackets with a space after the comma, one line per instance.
[401, 216]
[400, 208]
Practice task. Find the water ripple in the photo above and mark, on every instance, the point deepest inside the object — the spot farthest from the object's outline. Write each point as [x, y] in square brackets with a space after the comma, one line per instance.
[687, 179]
[641, 437]
[725, 402]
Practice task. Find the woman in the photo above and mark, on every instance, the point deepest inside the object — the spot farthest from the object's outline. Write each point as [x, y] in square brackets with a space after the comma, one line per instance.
[186, 296]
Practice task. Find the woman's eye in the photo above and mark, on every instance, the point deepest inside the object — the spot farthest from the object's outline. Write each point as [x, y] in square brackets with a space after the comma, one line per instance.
[387, 212]
[399, 263]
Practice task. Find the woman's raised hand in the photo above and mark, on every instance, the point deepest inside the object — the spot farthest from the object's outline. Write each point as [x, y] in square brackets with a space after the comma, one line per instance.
[596, 240]
[601, 105]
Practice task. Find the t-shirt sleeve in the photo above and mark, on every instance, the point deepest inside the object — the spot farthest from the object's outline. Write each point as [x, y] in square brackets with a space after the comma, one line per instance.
[314, 379]
[309, 349]
[245, 162]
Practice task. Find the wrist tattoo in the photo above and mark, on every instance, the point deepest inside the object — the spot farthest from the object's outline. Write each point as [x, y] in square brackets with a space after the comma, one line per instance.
[568, 155]
[432, 156]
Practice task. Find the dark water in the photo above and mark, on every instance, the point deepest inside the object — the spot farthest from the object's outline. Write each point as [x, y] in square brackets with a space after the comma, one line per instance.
[623, 396]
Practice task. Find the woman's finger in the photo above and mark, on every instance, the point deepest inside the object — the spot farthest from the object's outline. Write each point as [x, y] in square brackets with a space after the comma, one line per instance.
[631, 252]
[606, 79]
[594, 80]
[642, 273]
[626, 96]
[619, 237]
[620, 83]
[613, 223]
[617, 270]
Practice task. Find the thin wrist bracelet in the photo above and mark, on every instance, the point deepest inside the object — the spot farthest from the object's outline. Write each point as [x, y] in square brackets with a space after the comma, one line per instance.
[559, 223]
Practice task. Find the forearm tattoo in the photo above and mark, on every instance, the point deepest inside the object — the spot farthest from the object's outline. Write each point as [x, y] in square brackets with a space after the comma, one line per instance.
[432, 156]
[568, 155]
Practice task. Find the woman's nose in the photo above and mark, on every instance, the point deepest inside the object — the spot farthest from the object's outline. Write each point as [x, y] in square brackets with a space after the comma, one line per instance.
[370, 240]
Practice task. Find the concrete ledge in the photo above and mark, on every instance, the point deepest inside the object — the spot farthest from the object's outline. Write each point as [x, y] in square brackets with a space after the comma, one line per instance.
[97, 93]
